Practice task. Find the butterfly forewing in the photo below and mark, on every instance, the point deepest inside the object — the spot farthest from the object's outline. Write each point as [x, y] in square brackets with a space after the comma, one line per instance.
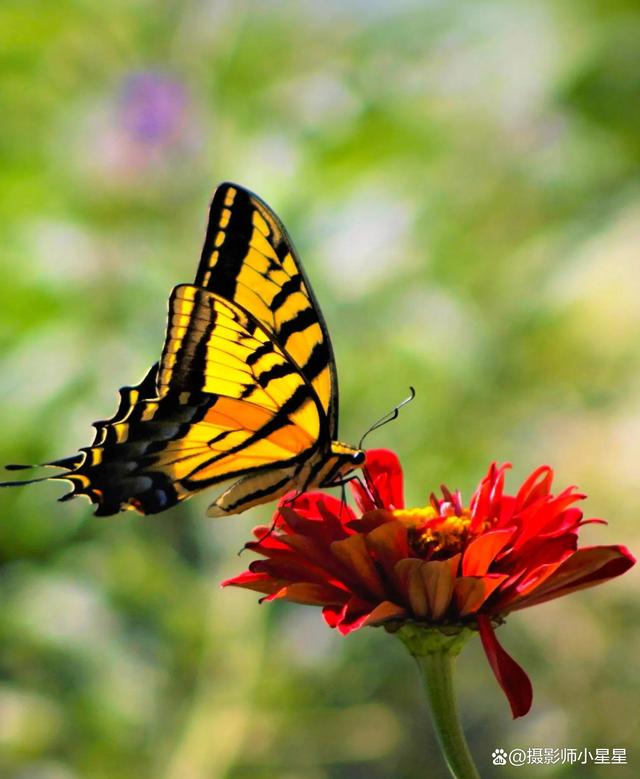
[249, 258]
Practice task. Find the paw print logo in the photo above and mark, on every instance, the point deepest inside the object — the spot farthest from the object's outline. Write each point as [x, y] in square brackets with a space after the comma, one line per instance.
[499, 756]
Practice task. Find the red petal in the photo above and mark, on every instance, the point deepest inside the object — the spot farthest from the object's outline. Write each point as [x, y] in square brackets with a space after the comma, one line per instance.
[306, 549]
[355, 611]
[332, 615]
[388, 543]
[362, 496]
[586, 567]
[336, 518]
[384, 612]
[314, 527]
[471, 591]
[511, 677]
[354, 555]
[383, 477]
[371, 520]
[438, 578]
[357, 614]
[531, 565]
[260, 582]
[535, 486]
[482, 551]
[289, 568]
[325, 508]
[411, 586]
[547, 516]
[266, 538]
[310, 594]
[486, 500]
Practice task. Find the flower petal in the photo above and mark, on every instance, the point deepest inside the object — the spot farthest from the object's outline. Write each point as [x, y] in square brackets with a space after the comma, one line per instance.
[482, 551]
[586, 567]
[309, 503]
[322, 527]
[438, 580]
[486, 499]
[411, 585]
[383, 479]
[291, 568]
[531, 565]
[384, 612]
[336, 518]
[260, 582]
[332, 615]
[310, 594]
[371, 520]
[535, 486]
[511, 677]
[353, 554]
[353, 615]
[388, 543]
[472, 591]
[547, 516]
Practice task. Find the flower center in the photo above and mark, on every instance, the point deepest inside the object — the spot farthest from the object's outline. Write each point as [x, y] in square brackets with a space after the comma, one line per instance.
[436, 533]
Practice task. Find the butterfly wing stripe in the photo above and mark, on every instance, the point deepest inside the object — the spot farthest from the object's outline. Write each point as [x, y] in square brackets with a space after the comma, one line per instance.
[317, 362]
[237, 222]
[293, 406]
[129, 397]
[290, 286]
[191, 359]
[299, 322]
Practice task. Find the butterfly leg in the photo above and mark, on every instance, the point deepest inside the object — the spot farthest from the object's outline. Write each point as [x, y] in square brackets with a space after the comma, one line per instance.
[346, 480]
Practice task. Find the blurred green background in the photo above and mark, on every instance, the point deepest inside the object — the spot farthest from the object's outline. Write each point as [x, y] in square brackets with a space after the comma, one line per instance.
[461, 179]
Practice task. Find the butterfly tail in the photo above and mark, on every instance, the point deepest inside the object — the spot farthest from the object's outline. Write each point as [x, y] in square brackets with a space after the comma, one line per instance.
[70, 463]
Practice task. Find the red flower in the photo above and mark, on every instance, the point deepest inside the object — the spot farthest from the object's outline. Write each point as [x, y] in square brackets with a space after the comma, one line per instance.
[441, 565]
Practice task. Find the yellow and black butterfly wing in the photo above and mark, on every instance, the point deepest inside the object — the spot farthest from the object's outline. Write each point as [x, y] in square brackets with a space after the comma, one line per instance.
[106, 472]
[246, 389]
[225, 403]
[111, 471]
[249, 258]
[262, 416]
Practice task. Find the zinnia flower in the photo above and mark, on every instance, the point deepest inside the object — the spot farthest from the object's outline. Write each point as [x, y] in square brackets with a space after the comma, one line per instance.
[446, 565]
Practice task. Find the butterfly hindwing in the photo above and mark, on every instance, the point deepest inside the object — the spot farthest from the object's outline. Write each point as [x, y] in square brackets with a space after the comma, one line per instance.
[228, 405]
[109, 472]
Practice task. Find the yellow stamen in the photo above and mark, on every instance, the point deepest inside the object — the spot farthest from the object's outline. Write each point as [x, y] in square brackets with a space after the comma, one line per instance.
[438, 532]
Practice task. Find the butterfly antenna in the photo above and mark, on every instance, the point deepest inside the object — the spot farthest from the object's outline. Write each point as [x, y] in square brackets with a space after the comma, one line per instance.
[389, 416]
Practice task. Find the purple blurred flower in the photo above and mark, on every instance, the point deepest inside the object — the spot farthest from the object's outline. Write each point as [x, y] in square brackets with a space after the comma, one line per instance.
[145, 129]
[153, 108]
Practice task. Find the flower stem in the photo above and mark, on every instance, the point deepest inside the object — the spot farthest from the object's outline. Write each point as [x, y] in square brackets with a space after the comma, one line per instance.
[435, 653]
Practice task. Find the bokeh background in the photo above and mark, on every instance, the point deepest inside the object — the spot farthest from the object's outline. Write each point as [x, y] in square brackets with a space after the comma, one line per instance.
[461, 179]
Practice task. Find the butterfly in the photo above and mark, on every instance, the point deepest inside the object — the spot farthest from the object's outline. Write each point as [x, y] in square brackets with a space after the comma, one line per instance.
[245, 391]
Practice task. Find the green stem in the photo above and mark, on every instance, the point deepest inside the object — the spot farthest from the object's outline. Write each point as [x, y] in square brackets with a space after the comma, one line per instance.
[435, 653]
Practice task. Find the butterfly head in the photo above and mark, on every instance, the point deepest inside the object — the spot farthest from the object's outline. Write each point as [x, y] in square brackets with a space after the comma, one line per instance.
[342, 460]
